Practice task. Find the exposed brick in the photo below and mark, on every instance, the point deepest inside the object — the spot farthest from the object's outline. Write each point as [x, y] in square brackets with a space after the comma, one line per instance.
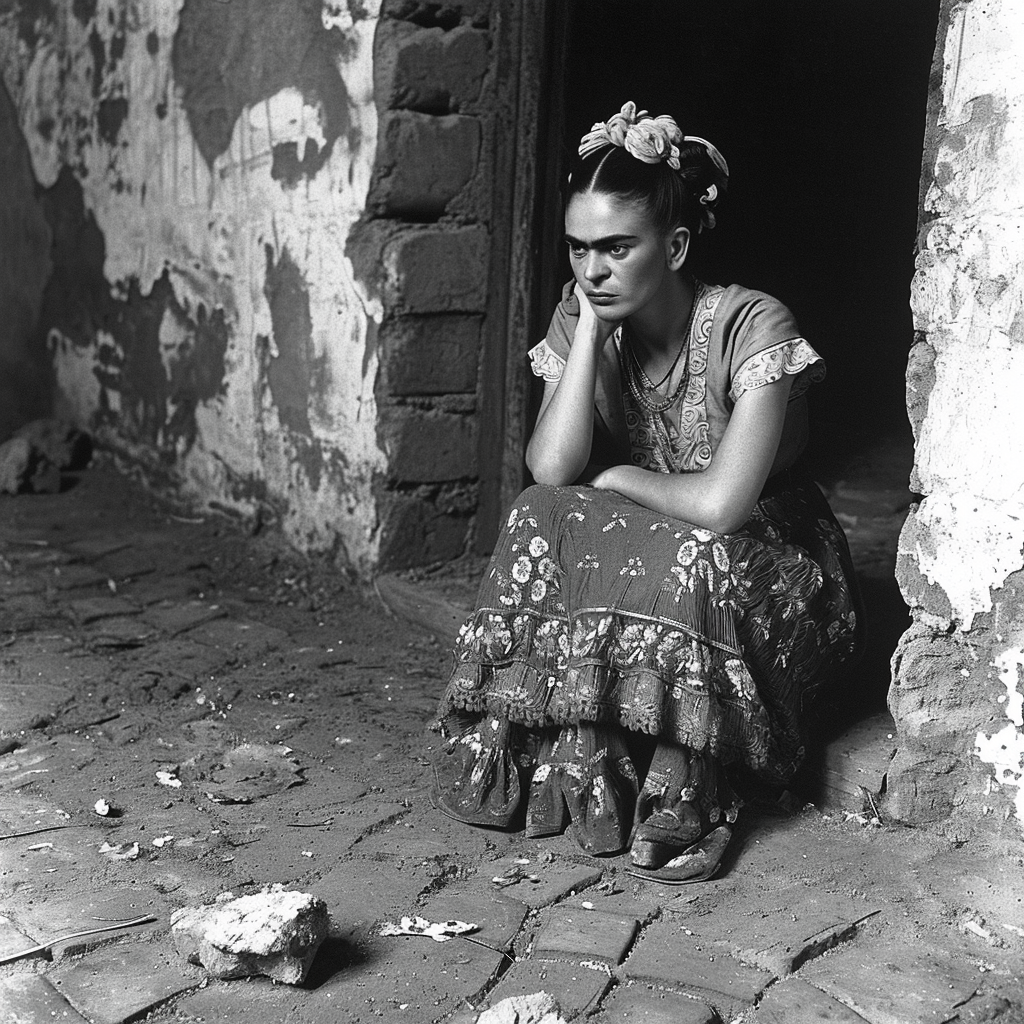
[928, 984]
[498, 917]
[666, 955]
[436, 270]
[557, 880]
[428, 69]
[576, 988]
[789, 926]
[634, 1004]
[120, 984]
[793, 1000]
[427, 446]
[430, 355]
[580, 934]
[423, 161]
[31, 999]
[416, 531]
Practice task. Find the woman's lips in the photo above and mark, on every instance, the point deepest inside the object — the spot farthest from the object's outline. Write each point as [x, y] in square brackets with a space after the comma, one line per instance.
[601, 298]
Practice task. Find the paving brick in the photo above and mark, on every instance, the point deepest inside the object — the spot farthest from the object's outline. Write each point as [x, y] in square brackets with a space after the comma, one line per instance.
[555, 880]
[795, 1000]
[30, 705]
[243, 639]
[362, 893]
[118, 632]
[96, 547]
[31, 999]
[499, 917]
[91, 609]
[891, 983]
[47, 919]
[129, 564]
[577, 933]
[637, 1004]
[111, 986]
[76, 577]
[577, 989]
[11, 939]
[177, 618]
[666, 955]
[780, 929]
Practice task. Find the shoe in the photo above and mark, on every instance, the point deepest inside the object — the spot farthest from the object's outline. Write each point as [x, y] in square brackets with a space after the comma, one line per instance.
[476, 779]
[697, 863]
[664, 834]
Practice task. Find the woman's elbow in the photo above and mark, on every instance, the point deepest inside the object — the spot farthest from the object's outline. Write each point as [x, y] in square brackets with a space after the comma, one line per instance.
[727, 514]
[545, 471]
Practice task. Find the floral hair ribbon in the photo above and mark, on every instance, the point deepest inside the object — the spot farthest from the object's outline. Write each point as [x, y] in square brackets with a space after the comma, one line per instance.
[653, 140]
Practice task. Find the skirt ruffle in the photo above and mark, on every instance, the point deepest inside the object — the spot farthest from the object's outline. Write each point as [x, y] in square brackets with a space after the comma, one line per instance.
[598, 610]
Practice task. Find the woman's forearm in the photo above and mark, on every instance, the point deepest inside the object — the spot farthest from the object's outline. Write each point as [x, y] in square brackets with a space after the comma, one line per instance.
[559, 449]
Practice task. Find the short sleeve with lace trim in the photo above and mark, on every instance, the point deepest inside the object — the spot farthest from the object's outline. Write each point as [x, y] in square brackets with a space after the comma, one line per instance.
[794, 357]
[546, 363]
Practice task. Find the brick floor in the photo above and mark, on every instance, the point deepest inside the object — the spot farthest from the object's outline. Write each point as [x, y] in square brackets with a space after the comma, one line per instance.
[892, 984]
[580, 934]
[638, 1004]
[784, 929]
[31, 999]
[795, 1000]
[666, 955]
[115, 984]
[576, 988]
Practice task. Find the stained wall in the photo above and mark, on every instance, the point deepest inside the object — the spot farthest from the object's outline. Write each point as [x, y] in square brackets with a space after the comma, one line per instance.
[959, 671]
[263, 217]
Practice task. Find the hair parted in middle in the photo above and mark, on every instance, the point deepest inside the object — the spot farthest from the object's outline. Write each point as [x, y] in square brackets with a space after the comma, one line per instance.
[647, 160]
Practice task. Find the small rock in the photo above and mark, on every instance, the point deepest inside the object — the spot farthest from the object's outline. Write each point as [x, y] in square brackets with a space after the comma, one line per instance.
[273, 932]
[536, 1008]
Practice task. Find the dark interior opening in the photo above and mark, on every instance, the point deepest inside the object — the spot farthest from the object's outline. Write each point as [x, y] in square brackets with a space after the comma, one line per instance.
[820, 111]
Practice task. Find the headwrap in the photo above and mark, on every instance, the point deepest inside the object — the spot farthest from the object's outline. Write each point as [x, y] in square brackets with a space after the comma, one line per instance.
[654, 140]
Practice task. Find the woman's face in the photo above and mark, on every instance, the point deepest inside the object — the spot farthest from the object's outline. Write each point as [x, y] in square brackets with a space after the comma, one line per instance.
[619, 257]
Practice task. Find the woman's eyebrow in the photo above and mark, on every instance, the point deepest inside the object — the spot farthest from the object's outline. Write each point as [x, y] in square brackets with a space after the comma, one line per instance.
[599, 243]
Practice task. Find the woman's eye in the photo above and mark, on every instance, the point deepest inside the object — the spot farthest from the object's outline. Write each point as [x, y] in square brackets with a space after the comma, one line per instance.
[577, 251]
[618, 250]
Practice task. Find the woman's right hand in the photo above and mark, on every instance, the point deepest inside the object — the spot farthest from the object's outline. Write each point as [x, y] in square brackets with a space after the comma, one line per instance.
[591, 328]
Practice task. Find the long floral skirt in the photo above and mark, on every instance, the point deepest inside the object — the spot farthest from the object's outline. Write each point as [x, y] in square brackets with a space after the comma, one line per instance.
[597, 611]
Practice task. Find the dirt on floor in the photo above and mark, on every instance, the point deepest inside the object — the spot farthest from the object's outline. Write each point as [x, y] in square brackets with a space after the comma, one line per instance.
[249, 717]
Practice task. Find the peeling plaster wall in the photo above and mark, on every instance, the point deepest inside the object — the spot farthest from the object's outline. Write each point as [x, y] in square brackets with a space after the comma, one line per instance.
[201, 166]
[25, 377]
[957, 689]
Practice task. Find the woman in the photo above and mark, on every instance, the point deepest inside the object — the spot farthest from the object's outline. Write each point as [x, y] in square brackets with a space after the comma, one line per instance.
[663, 603]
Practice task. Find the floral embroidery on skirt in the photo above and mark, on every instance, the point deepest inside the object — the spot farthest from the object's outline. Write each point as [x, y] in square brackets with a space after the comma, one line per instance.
[598, 610]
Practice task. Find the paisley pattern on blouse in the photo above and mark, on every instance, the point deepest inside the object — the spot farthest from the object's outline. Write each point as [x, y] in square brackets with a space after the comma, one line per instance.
[596, 609]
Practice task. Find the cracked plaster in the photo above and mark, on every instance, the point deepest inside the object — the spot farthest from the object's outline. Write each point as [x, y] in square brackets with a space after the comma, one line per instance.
[162, 208]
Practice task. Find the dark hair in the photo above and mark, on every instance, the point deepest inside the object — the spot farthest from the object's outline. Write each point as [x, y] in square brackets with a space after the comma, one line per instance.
[671, 197]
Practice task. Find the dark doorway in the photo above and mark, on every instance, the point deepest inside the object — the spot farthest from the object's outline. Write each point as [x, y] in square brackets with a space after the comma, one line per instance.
[820, 110]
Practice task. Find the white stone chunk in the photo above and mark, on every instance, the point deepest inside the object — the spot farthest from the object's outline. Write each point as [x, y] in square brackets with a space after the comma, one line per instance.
[272, 932]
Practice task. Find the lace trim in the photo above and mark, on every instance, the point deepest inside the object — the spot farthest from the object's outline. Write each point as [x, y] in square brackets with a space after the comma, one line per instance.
[546, 363]
[767, 366]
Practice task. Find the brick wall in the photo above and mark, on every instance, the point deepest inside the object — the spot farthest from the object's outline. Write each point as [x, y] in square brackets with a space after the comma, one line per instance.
[427, 243]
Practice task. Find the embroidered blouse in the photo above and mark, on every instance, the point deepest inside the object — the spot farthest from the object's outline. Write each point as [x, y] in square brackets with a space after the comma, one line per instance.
[739, 340]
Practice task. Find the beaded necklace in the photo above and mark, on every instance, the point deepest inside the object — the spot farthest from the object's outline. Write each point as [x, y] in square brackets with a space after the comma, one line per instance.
[640, 385]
